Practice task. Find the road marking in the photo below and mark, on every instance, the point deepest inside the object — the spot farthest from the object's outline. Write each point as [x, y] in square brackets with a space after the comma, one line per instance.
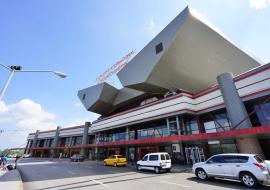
[55, 167]
[175, 184]
[70, 172]
[90, 167]
[105, 185]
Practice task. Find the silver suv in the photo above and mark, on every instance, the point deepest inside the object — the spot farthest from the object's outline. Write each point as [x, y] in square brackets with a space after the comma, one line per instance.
[248, 168]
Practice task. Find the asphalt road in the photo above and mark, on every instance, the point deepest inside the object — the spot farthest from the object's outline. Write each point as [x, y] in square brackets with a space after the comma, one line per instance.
[41, 174]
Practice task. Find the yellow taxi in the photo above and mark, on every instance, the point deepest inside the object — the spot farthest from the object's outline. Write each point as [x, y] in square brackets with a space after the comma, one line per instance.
[115, 160]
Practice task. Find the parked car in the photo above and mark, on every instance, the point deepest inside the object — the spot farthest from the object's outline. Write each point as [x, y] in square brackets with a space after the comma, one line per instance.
[76, 158]
[26, 155]
[115, 160]
[248, 168]
[157, 162]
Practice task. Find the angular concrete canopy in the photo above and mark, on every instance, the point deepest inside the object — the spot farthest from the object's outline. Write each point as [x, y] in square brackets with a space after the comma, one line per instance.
[104, 98]
[98, 98]
[194, 54]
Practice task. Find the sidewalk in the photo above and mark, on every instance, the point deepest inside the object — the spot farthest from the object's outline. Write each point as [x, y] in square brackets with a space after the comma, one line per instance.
[11, 180]
[2, 172]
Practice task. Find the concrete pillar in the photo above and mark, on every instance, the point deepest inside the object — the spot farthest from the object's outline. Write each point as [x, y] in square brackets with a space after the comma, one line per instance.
[55, 141]
[237, 112]
[235, 107]
[84, 151]
[127, 134]
[168, 126]
[34, 145]
[127, 138]
[178, 125]
[26, 147]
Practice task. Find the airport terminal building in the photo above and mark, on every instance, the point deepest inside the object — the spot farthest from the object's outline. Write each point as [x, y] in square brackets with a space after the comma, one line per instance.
[190, 92]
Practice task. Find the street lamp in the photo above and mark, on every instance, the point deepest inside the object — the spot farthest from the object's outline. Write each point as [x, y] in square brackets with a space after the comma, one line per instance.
[14, 69]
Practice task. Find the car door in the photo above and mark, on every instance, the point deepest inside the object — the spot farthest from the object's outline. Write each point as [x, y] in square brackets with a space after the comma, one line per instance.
[153, 161]
[144, 162]
[111, 160]
[214, 166]
[233, 165]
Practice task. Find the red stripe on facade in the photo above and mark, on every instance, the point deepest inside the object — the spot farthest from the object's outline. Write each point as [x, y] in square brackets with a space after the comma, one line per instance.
[193, 137]
[252, 72]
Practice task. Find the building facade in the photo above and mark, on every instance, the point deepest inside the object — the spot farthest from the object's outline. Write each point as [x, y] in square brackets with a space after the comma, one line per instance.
[190, 92]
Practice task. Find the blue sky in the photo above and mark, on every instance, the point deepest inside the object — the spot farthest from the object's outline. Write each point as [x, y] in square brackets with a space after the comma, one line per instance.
[84, 38]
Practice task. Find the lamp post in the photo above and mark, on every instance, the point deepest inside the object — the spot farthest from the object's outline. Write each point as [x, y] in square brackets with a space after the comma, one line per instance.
[15, 69]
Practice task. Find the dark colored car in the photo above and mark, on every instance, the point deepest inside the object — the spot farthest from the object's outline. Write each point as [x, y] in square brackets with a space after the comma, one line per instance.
[76, 158]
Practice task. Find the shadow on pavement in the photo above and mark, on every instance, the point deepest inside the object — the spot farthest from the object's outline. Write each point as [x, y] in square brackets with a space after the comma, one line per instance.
[33, 170]
[232, 184]
[108, 182]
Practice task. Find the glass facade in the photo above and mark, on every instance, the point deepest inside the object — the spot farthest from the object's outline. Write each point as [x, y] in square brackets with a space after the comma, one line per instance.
[191, 127]
[263, 113]
[159, 131]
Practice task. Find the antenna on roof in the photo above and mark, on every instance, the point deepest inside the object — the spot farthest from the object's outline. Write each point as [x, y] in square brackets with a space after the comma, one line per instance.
[118, 66]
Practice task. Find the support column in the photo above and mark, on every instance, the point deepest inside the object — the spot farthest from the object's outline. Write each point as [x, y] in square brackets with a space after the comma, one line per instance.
[55, 141]
[178, 126]
[34, 145]
[84, 151]
[168, 126]
[237, 112]
[26, 147]
[127, 138]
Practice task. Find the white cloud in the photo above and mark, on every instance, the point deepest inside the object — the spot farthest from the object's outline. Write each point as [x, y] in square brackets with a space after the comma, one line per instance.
[259, 4]
[21, 118]
[151, 27]
[77, 104]
[26, 114]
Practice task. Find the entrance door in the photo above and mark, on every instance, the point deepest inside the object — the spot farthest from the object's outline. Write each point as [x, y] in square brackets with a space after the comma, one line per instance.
[194, 155]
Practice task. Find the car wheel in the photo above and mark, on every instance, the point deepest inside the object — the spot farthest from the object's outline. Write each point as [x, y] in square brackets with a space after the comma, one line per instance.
[139, 168]
[201, 174]
[168, 170]
[114, 164]
[105, 164]
[248, 180]
[157, 170]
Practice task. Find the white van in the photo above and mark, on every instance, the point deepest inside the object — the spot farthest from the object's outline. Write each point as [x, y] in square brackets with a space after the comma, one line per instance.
[157, 162]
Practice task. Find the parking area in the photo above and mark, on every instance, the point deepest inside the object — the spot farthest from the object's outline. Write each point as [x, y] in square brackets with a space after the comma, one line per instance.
[42, 174]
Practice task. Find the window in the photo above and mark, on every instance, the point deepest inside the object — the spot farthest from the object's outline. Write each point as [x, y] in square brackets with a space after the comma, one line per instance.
[192, 127]
[153, 157]
[159, 48]
[112, 157]
[258, 159]
[210, 127]
[215, 159]
[145, 158]
[243, 159]
[263, 113]
[167, 157]
[162, 157]
[230, 159]
[84, 96]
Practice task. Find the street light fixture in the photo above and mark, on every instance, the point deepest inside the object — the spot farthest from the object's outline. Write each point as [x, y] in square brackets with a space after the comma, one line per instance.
[14, 69]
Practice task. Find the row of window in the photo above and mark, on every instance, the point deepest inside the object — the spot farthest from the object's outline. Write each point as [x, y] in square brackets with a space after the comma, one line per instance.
[228, 159]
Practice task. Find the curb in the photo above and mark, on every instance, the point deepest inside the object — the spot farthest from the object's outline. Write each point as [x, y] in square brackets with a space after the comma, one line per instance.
[12, 180]
[20, 179]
